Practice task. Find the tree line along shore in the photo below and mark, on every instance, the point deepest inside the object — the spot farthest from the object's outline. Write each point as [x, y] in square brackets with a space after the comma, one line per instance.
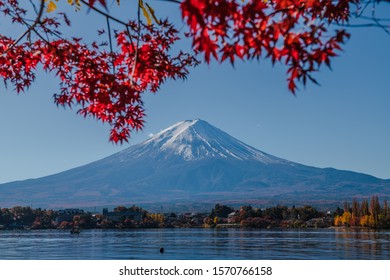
[366, 214]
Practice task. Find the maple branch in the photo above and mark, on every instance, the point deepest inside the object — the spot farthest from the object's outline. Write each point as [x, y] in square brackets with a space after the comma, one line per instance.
[110, 43]
[30, 27]
[103, 13]
[370, 18]
[138, 38]
[35, 8]
[130, 37]
[39, 16]
[376, 24]
[109, 33]
[110, 17]
[381, 26]
[359, 14]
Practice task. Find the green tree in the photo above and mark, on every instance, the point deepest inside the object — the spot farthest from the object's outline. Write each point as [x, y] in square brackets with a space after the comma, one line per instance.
[6, 217]
[308, 212]
[221, 210]
[86, 221]
[23, 214]
[278, 212]
[339, 211]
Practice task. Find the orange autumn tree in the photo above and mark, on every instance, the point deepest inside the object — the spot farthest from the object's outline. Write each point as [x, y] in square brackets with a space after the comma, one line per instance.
[107, 81]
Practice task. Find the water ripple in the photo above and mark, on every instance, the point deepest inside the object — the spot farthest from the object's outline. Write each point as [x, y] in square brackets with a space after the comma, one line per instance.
[195, 244]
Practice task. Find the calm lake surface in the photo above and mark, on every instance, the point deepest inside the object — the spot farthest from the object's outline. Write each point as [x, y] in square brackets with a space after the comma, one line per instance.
[187, 244]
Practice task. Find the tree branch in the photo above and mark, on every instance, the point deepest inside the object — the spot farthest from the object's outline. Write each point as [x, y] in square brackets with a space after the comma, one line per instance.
[138, 38]
[110, 17]
[103, 13]
[110, 43]
[31, 27]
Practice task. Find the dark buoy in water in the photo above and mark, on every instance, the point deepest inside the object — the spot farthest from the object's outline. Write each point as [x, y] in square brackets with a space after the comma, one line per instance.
[161, 250]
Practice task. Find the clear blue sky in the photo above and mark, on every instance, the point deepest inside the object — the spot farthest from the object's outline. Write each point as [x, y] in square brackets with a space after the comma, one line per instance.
[344, 123]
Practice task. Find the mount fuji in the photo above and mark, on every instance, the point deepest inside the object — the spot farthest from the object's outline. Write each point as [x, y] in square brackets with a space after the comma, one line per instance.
[192, 163]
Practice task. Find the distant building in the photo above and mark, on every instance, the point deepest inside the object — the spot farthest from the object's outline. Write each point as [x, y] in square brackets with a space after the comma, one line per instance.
[170, 217]
[120, 216]
[195, 219]
[319, 222]
[232, 216]
[67, 215]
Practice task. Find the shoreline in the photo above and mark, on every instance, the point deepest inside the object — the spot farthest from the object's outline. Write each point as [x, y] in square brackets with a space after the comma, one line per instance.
[217, 227]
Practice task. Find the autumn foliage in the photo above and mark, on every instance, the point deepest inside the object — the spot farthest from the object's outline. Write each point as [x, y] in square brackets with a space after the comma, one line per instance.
[365, 214]
[108, 81]
[292, 31]
[106, 84]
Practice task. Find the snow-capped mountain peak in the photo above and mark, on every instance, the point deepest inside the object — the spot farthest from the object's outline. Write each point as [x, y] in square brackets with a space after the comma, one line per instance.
[197, 139]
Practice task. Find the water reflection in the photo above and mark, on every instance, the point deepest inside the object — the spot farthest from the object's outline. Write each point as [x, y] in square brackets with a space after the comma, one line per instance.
[196, 244]
[367, 244]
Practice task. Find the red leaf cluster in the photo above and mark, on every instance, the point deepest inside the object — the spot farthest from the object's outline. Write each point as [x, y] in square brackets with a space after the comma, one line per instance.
[101, 83]
[294, 32]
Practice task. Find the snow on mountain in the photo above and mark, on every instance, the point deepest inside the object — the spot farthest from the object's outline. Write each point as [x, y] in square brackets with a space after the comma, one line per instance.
[195, 140]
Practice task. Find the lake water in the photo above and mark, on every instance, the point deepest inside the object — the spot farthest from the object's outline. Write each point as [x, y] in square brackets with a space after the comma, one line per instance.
[187, 244]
